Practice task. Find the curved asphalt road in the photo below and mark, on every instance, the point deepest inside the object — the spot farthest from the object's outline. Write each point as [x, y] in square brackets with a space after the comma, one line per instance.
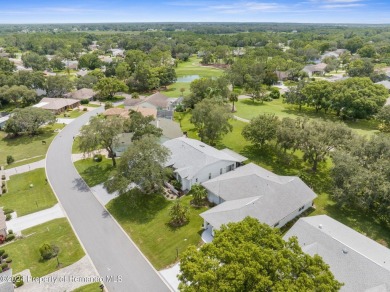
[111, 251]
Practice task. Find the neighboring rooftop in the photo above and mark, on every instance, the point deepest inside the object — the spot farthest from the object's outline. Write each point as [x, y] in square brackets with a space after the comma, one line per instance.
[157, 100]
[189, 156]
[273, 197]
[83, 93]
[359, 262]
[56, 103]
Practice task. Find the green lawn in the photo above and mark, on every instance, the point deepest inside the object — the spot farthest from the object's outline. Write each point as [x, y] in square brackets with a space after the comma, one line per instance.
[95, 173]
[25, 252]
[25, 199]
[93, 287]
[191, 67]
[75, 146]
[292, 164]
[146, 221]
[71, 114]
[248, 109]
[27, 147]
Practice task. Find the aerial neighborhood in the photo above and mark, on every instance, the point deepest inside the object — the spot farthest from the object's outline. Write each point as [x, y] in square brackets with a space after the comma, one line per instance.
[183, 156]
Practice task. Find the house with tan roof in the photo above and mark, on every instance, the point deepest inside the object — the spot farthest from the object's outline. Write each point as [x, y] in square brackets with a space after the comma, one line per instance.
[317, 69]
[57, 105]
[82, 94]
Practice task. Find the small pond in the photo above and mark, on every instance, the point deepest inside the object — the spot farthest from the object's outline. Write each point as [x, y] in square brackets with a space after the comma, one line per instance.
[187, 78]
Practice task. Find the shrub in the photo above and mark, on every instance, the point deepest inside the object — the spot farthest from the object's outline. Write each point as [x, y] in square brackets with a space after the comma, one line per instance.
[8, 217]
[274, 94]
[84, 109]
[4, 266]
[108, 105]
[10, 159]
[18, 281]
[4, 190]
[2, 251]
[97, 157]
[84, 101]
[8, 261]
[3, 177]
[4, 256]
[47, 251]
[10, 237]
[8, 211]
[10, 231]
[3, 184]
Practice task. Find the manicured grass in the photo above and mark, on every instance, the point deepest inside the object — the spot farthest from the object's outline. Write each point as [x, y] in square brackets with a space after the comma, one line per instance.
[25, 146]
[25, 252]
[25, 199]
[75, 146]
[248, 109]
[292, 164]
[25, 161]
[146, 221]
[71, 114]
[95, 173]
[191, 67]
[93, 287]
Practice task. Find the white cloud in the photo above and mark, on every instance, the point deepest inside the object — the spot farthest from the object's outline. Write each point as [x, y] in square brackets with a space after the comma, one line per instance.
[347, 5]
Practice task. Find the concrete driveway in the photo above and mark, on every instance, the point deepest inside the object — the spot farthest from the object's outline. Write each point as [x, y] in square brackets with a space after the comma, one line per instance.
[117, 259]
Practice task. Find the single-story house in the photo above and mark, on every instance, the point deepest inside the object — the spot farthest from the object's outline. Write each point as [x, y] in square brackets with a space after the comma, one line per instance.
[118, 53]
[105, 59]
[318, 69]
[57, 105]
[156, 100]
[73, 65]
[253, 191]
[82, 72]
[195, 162]
[82, 94]
[355, 260]
[146, 111]
[116, 112]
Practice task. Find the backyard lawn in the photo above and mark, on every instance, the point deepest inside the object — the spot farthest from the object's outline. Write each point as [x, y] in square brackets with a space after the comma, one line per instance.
[248, 109]
[25, 199]
[25, 252]
[292, 164]
[146, 222]
[95, 173]
[26, 149]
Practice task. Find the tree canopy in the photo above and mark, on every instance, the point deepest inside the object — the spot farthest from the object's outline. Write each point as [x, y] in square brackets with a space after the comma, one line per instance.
[250, 256]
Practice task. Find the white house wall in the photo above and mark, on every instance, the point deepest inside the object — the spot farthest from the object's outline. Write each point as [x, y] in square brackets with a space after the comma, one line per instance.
[214, 169]
[294, 214]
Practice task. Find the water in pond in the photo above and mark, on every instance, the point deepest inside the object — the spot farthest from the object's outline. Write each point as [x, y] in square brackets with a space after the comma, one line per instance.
[187, 78]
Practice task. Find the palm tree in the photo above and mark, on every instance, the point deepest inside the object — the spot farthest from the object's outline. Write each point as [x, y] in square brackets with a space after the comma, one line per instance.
[178, 213]
[233, 97]
[199, 193]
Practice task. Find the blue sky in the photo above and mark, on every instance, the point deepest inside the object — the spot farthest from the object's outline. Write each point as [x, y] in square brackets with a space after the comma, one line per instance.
[305, 11]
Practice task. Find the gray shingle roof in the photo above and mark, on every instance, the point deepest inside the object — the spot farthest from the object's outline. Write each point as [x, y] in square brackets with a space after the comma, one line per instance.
[385, 83]
[157, 100]
[359, 262]
[274, 197]
[189, 156]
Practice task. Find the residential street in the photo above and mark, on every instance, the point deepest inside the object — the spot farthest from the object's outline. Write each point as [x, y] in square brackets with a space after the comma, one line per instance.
[111, 251]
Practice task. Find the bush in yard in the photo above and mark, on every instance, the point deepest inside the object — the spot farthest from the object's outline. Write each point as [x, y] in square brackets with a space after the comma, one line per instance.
[178, 213]
[18, 281]
[10, 231]
[97, 157]
[4, 190]
[10, 159]
[8, 211]
[10, 237]
[3, 177]
[47, 251]
[84, 109]
[8, 261]
[108, 105]
[274, 94]
[8, 217]
[2, 251]
[4, 266]
[4, 256]
[84, 101]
